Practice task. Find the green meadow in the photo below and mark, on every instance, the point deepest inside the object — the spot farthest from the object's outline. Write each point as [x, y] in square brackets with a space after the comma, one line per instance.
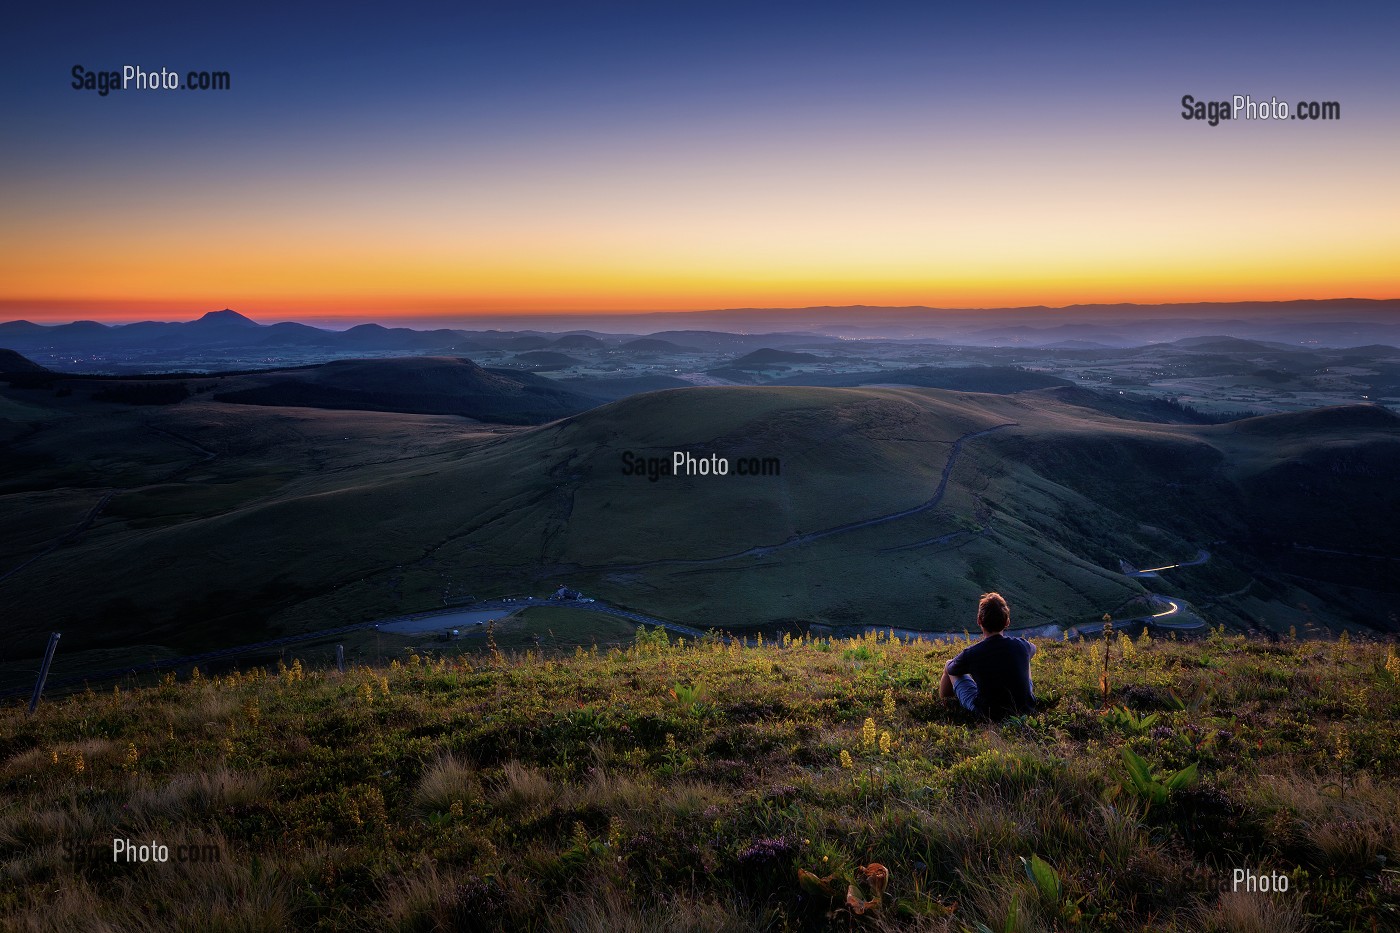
[808, 784]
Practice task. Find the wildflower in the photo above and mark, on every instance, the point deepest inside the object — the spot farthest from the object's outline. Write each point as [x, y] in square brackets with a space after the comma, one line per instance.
[455, 811]
[55, 756]
[79, 765]
[670, 742]
[1392, 663]
[614, 833]
[129, 763]
[195, 676]
[384, 685]
[889, 703]
[765, 852]
[885, 742]
[580, 836]
[868, 735]
[846, 761]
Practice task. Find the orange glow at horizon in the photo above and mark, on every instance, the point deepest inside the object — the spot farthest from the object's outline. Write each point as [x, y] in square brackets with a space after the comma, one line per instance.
[671, 227]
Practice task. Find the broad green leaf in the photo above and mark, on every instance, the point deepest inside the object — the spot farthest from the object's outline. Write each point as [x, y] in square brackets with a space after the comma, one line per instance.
[1046, 879]
[1137, 769]
[1183, 778]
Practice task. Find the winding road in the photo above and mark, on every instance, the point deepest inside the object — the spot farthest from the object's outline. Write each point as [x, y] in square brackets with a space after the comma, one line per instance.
[798, 540]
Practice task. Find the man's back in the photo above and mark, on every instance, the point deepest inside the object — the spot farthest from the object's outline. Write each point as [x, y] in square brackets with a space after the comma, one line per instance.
[1001, 667]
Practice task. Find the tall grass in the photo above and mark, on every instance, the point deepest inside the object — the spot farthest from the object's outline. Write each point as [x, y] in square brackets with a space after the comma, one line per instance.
[683, 788]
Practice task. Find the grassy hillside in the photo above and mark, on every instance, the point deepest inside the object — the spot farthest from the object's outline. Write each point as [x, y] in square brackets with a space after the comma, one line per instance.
[426, 385]
[998, 379]
[12, 362]
[686, 787]
[201, 524]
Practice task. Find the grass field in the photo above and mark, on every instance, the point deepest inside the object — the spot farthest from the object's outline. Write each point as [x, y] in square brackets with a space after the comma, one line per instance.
[690, 787]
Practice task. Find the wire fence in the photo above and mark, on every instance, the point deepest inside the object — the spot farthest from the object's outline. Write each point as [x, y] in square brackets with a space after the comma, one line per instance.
[375, 643]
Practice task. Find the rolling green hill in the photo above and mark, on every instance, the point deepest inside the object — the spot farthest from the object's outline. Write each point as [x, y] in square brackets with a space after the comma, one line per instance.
[425, 385]
[210, 524]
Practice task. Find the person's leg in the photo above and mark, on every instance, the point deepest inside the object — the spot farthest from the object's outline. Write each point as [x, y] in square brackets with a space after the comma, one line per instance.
[966, 690]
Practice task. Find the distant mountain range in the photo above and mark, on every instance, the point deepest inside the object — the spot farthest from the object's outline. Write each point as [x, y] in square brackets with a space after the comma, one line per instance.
[1343, 322]
[229, 330]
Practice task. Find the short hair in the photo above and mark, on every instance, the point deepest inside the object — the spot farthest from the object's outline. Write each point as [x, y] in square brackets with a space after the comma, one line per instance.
[993, 614]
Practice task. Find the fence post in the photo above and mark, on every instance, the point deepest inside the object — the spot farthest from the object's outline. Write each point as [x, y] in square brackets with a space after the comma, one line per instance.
[340, 658]
[43, 672]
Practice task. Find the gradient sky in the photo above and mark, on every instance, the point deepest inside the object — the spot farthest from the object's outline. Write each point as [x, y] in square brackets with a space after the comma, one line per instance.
[453, 159]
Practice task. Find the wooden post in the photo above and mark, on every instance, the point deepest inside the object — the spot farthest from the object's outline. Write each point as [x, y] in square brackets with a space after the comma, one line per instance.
[340, 657]
[1107, 635]
[43, 672]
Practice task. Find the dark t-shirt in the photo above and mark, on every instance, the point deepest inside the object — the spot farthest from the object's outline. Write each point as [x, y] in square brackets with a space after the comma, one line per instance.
[1001, 667]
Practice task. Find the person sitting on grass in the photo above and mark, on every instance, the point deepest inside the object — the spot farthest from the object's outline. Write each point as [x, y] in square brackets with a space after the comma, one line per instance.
[992, 677]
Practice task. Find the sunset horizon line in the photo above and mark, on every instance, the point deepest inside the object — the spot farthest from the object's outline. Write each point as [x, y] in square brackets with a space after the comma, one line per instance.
[116, 317]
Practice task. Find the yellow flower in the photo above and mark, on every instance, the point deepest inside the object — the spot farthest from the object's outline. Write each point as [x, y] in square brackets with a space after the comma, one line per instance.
[889, 703]
[846, 761]
[129, 764]
[885, 743]
[867, 734]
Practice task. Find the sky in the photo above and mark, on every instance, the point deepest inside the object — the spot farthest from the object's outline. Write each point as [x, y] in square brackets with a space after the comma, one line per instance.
[420, 160]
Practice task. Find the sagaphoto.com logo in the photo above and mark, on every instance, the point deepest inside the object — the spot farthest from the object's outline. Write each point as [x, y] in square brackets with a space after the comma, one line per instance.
[1245, 107]
[137, 78]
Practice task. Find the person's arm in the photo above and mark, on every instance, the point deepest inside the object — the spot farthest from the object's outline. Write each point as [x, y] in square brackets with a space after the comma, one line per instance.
[957, 665]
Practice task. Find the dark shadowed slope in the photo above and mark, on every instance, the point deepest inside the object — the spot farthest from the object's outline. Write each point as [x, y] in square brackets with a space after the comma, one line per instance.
[998, 379]
[12, 362]
[425, 385]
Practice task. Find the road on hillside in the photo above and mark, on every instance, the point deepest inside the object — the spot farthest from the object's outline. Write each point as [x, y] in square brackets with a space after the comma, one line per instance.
[1202, 555]
[67, 538]
[798, 540]
[263, 647]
